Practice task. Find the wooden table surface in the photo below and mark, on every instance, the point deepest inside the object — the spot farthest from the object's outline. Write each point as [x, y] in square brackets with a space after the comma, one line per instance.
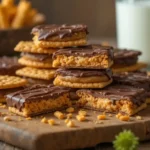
[106, 146]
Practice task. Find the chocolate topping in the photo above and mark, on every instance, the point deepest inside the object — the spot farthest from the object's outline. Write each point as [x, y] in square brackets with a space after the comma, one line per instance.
[136, 79]
[3, 92]
[126, 57]
[37, 57]
[120, 92]
[8, 65]
[84, 72]
[46, 31]
[34, 93]
[86, 51]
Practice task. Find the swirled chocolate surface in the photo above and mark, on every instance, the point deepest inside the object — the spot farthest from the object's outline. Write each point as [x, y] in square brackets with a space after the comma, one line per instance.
[84, 72]
[37, 57]
[119, 92]
[136, 79]
[35, 93]
[126, 57]
[46, 31]
[8, 65]
[86, 51]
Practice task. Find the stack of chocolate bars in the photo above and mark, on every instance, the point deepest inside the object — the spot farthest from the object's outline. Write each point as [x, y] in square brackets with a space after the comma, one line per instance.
[8, 81]
[126, 61]
[83, 68]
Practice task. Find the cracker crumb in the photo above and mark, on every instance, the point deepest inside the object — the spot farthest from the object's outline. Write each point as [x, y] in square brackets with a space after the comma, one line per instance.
[67, 120]
[51, 122]
[82, 112]
[101, 117]
[138, 117]
[123, 117]
[44, 120]
[70, 124]
[59, 115]
[28, 118]
[7, 118]
[110, 115]
[70, 110]
[80, 118]
[69, 115]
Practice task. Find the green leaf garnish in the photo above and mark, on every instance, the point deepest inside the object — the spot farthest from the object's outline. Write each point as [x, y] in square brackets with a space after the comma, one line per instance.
[126, 140]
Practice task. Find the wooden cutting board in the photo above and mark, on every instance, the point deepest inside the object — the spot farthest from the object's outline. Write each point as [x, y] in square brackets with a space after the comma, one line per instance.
[34, 135]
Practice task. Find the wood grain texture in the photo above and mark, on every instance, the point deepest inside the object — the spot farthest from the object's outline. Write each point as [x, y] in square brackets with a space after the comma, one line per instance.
[34, 135]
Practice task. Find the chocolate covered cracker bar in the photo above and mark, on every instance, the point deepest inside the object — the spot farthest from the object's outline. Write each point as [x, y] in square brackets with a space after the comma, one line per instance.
[126, 60]
[38, 99]
[7, 91]
[9, 65]
[114, 99]
[83, 78]
[136, 79]
[90, 56]
[36, 60]
[57, 36]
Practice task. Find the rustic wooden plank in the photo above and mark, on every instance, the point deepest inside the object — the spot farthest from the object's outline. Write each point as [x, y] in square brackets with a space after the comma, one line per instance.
[86, 134]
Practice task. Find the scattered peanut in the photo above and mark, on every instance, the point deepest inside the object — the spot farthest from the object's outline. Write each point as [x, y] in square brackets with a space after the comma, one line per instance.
[80, 118]
[101, 117]
[69, 115]
[44, 120]
[138, 117]
[7, 118]
[51, 122]
[123, 117]
[59, 115]
[70, 110]
[70, 124]
[82, 112]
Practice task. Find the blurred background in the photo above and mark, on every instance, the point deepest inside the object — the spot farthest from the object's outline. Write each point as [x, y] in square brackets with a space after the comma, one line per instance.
[99, 15]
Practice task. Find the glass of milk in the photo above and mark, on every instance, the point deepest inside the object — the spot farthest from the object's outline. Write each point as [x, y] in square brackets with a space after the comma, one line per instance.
[133, 26]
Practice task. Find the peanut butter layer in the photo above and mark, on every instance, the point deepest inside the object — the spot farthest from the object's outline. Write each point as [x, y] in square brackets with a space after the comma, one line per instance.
[36, 56]
[55, 32]
[116, 98]
[89, 56]
[125, 57]
[38, 99]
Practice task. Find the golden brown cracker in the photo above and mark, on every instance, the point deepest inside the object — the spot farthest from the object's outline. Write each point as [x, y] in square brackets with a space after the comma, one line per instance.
[135, 67]
[97, 62]
[45, 74]
[33, 63]
[29, 46]
[51, 44]
[7, 82]
[59, 82]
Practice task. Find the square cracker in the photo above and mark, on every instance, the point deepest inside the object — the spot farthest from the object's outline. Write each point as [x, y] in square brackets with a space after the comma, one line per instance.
[29, 46]
[45, 74]
[7, 82]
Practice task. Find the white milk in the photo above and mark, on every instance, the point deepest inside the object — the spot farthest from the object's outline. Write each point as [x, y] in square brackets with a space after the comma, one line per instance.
[133, 26]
